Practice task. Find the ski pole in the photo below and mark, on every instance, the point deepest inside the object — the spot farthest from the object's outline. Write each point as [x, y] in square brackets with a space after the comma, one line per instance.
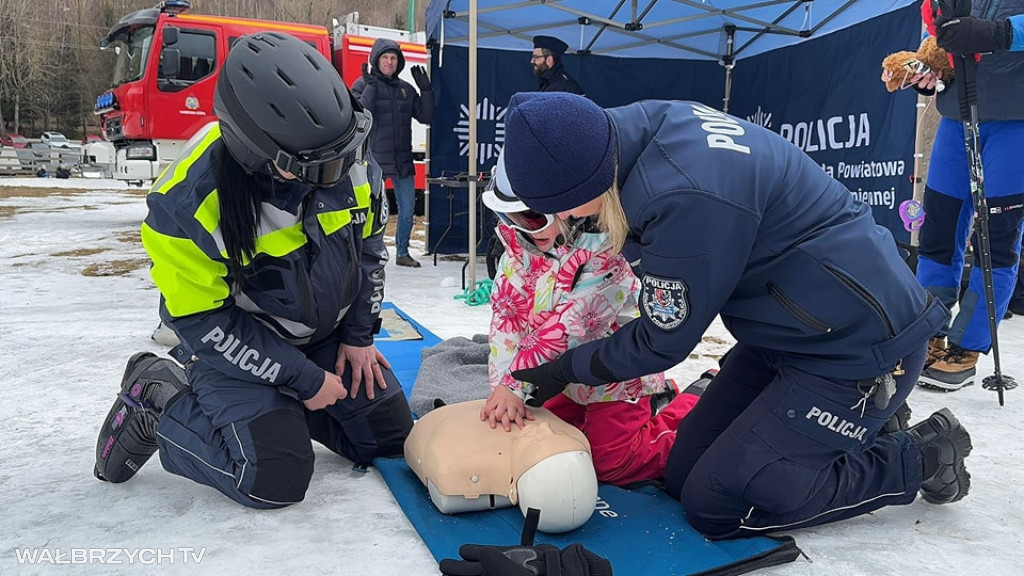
[967, 90]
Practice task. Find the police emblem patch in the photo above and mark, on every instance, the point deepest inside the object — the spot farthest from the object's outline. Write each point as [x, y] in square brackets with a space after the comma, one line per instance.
[664, 302]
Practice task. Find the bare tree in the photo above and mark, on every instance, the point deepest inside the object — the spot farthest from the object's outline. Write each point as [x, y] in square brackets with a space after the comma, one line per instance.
[22, 57]
[51, 67]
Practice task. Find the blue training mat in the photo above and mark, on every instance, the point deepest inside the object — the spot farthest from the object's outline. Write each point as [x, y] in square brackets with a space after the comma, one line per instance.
[641, 531]
[404, 355]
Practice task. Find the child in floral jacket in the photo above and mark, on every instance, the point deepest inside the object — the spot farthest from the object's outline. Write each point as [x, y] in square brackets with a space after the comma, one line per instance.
[558, 286]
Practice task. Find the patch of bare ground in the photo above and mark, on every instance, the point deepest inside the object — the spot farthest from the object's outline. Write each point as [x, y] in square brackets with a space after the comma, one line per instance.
[116, 267]
[129, 237]
[26, 192]
[7, 192]
[79, 252]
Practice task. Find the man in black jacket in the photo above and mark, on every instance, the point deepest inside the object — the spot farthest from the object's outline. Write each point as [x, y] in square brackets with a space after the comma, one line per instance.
[394, 103]
[547, 66]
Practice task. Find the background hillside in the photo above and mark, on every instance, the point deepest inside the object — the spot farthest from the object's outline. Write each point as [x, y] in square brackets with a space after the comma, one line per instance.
[52, 69]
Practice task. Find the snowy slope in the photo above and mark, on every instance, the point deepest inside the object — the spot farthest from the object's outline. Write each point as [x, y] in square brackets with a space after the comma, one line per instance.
[76, 301]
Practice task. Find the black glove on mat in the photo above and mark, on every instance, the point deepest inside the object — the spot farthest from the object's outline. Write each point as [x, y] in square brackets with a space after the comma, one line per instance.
[540, 560]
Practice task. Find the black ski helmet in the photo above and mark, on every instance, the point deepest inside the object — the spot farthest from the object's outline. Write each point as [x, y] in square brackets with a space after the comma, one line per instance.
[278, 99]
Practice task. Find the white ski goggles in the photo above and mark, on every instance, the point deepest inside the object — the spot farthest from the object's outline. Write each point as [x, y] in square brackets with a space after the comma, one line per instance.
[512, 212]
[526, 220]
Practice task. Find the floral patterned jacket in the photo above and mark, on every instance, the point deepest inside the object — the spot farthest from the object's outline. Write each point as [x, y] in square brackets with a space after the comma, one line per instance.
[543, 305]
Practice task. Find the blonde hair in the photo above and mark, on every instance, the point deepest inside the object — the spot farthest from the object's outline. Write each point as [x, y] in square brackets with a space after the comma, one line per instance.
[612, 218]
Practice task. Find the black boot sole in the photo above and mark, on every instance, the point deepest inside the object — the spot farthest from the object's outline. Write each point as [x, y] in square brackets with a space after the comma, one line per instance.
[951, 482]
[127, 437]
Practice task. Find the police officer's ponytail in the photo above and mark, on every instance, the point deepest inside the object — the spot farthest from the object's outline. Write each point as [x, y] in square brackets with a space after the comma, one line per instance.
[240, 195]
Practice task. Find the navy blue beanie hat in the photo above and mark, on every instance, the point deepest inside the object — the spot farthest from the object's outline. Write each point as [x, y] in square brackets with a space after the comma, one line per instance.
[560, 150]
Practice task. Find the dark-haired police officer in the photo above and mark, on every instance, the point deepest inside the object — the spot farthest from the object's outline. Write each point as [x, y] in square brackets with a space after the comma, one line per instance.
[266, 237]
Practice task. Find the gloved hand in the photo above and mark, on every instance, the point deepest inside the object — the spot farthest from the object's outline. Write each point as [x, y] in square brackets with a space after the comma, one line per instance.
[548, 381]
[367, 77]
[419, 74]
[540, 560]
[970, 35]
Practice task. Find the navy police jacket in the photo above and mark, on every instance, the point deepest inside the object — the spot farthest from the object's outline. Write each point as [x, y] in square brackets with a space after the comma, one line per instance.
[556, 79]
[317, 274]
[728, 218]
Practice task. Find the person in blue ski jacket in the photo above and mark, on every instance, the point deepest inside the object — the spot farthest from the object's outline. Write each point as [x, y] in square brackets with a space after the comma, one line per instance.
[266, 237]
[720, 217]
[995, 30]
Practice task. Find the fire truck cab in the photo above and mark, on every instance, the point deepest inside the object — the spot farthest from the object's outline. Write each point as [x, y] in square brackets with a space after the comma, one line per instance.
[165, 72]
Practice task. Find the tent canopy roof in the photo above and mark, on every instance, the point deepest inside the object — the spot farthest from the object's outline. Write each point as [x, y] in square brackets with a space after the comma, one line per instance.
[687, 29]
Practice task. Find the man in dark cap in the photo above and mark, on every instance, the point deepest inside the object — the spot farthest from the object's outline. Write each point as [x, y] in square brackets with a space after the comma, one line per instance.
[547, 66]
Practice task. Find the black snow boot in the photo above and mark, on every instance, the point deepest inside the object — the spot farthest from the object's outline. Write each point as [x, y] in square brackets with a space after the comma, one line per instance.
[899, 421]
[944, 445]
[701, 384]
[662, 399]
[128, 436]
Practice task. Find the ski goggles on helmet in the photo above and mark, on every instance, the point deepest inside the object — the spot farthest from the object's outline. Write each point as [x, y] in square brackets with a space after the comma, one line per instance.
[512, 212]
[326, 166]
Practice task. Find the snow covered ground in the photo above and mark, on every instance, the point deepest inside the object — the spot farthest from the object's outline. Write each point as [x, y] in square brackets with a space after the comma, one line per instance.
[76, 300]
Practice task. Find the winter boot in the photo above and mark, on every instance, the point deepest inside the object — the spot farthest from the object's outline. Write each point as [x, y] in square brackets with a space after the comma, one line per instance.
[955, 371]
[936, 350]
[662, 399]
[164, 335]
[407, 261]
[944, 444]
[128, 436]
[900, 420]
[702, 383]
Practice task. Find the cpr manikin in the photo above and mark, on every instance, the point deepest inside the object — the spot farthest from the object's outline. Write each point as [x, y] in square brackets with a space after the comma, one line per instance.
[467, 466]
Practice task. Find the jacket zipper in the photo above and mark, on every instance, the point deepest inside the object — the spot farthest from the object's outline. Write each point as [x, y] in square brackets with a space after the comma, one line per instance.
[307, 306]
[795, 309]
[866, 297]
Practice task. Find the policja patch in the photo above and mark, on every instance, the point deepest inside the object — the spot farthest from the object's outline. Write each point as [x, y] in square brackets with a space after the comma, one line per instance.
[664, 302]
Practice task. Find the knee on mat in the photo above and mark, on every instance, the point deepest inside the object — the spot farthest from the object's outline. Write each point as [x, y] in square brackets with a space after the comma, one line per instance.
[716, 500]
[284, 458]
[703, 513]
[390, 423]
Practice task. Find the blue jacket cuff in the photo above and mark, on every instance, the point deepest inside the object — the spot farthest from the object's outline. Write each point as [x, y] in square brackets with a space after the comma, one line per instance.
[1017, 23]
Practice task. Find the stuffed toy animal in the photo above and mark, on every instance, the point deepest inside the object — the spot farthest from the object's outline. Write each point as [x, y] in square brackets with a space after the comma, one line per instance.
[898, 68]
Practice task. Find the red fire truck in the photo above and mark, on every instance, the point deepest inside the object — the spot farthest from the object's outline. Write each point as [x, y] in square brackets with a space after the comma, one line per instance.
[166, 70]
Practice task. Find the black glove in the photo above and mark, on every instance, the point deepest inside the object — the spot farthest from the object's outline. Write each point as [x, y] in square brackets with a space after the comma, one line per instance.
[367, 77]
[548, 381]
[943, 10]
[419, 74]
[540, 560]
[970, 35]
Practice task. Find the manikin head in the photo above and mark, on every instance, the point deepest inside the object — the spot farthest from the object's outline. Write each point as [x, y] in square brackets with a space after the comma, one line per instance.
[466, 465]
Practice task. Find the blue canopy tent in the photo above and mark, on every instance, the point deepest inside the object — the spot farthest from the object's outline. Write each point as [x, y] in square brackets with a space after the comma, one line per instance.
[807, 69]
